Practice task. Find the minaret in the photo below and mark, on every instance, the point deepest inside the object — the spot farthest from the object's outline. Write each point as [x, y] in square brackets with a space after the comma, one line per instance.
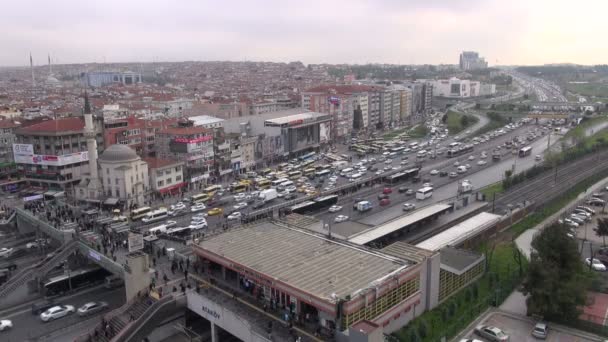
[32, 68]
[94, 186]
[50, 65]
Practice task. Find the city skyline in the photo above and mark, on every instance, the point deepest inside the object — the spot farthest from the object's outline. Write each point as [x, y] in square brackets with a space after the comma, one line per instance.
[360, 32]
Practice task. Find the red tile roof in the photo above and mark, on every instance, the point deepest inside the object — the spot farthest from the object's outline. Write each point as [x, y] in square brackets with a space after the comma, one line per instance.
[59, 125]
[342, 89]
[9, 124]
[155, 163]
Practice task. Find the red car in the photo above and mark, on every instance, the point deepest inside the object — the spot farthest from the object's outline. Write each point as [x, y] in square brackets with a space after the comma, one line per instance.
[387, 191]
[385, 201]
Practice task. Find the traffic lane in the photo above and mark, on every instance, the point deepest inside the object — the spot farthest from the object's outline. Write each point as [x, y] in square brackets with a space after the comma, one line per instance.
[520, 329]
[28, 326]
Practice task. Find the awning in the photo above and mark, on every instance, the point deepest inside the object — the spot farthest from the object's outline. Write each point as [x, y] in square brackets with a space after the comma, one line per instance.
[111, 201]
[50, 193]
[171, 188]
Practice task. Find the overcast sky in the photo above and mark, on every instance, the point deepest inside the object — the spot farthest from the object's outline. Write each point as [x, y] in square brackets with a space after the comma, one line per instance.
[312, 31]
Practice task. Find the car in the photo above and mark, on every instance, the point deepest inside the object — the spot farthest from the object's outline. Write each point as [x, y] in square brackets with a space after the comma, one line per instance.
[596, 265]
[541, 330]
[197, 207]
[173, 213]
[335, 208]
[468, 166]
[198, 225]
[425, 185]
[56, 312]
[434, 172]
[491, 333]
[5, 324]
[178, 206]
[36, 243]
[388, 161]
[387, 191]
[481, 162]
[408, 206]
[215, 211]
[341, 218]
[403, 189]
[456, 164]
[235, 216]
[470, 340]
[385, 201]
[383, 196]
[471, 158]
[538, 157]
[443, 174]
[199, 216]
[409, 192]
[170, 224]
[91, 308]
[240, 206]
[6, 252]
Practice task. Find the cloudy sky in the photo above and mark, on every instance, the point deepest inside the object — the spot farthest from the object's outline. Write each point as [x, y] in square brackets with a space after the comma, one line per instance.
[312, 31]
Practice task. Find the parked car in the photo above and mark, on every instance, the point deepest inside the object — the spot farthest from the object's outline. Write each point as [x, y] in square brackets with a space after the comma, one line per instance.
[92, 308]
[596, 265]
[235, 216]
[215, 211]
[56, 312]
[541, 330]
[491, 333]
[240, 206]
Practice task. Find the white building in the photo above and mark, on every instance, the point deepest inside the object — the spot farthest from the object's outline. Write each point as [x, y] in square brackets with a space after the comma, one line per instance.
[457, 88]
[124, 174]
[166, 176]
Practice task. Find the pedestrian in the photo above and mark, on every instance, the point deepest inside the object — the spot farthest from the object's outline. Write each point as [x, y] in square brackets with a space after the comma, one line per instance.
[186, 275]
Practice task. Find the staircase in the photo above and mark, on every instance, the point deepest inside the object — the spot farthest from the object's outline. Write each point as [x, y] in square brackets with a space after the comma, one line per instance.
[37, 270]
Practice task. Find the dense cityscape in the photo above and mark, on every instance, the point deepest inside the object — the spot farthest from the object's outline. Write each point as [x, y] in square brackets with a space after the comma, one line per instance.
[293, 201]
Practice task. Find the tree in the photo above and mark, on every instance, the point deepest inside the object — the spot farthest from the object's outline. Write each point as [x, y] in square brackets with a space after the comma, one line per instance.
[464, 121]
[602, 229]
[556, 280]
[444, 118]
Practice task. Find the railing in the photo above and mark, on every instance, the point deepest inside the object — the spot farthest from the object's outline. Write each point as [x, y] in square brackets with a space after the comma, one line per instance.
[108, 316]
[131, 329]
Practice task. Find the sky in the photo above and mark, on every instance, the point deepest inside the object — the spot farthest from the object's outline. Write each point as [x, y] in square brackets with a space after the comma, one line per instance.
[523, 32]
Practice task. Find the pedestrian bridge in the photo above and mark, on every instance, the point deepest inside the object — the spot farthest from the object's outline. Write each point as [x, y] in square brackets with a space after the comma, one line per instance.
[64, 237]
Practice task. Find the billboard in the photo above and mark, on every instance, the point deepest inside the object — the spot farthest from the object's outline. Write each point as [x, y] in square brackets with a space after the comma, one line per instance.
[324, 132]
[185, 145]
[25, 149]
[50, 160]
[136, 242]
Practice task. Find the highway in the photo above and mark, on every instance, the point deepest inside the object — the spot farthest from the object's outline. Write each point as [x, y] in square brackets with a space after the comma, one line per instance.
[27, 326]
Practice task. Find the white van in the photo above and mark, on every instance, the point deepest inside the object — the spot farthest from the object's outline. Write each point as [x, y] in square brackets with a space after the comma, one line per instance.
[424, 193]
[156, 215]
[356, 175]
[461, 169]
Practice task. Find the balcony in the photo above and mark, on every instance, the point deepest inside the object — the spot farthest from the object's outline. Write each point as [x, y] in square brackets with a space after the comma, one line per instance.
[223, 146]
[235, 154]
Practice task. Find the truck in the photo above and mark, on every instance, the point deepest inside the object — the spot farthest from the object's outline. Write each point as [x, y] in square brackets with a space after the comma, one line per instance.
[268, 195]
[466, 186]
[364, 206]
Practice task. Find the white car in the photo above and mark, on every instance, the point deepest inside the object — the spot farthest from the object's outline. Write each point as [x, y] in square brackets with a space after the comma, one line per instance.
[470, 340]
[198, 225]
[178, 206]
[36, 243]
[335, 208]
[471, 157]
[5, 252]
[341, 218]
[240, 206]
[56, 312]
[5, 324]
[239, 197]
[199, 216]
[170, 224]
[596, 265]
[197, 207]
[456, 163]
[403, 162]
[92, 308]
[453, 175]
[388, 161]
[427, 185]
[408, 206]
[291, 188]
[481, 162]
[434, 172]
[235, 216]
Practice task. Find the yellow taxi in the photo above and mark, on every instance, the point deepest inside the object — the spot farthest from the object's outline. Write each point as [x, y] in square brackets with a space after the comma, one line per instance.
[215, 211]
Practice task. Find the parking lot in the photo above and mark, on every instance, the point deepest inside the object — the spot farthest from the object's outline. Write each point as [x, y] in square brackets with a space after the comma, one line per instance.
[519, 330]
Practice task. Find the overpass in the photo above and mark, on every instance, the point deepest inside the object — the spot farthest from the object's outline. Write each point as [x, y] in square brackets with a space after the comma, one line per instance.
[563, 106]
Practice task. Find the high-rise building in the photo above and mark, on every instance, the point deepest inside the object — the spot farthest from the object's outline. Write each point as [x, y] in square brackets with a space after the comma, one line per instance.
[102, 78]
[470, 60]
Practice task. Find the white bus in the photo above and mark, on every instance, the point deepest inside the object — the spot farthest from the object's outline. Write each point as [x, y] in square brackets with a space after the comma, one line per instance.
[424, 193]
[339, 165]
[346, 171]
[278, 182]
[139, 213]
[156, 215]
[414, 145]
[157, 230]
[356, 175]
[322, 173]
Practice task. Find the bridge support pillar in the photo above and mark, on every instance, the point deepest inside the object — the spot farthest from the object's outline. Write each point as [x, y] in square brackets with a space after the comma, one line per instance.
[214, 333]
[137, 274]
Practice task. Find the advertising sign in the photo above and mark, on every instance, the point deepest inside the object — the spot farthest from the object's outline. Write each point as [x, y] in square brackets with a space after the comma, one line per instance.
[136, 242]
[25, 149]
[23, 154]
[193, 141]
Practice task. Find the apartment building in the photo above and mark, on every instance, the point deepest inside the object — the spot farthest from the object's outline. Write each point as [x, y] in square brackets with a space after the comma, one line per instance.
[191, 145]
[166, 175]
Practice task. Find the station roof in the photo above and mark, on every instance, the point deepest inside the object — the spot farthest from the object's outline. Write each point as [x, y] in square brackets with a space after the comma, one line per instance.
[326, 269]
[406, 251]
[377, 232]
[459, 261]
[297, 118]
[460, 232]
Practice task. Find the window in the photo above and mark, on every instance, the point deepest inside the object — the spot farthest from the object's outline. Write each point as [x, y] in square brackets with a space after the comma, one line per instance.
[178, 168]
[68, 176]
[137, 177]
[169, 181]
[107, 171]
[160, 183]
[167, 172]
[117, 192]
[159, 173]
[116, 181]
[136, 166]
[131, 179]
[178, 178]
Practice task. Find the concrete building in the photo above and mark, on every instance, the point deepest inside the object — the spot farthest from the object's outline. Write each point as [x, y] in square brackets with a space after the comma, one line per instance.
[124, 175]
[102, 78]
[7, 139]
[194, 146]
[166, 175]
[457, 88]
[487, 89]
[206, 121]
[137, 133]
[302, 133]
[470, 60]
[53, 154]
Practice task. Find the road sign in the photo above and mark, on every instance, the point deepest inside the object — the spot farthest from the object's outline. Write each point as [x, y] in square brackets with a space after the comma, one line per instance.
[136, 242]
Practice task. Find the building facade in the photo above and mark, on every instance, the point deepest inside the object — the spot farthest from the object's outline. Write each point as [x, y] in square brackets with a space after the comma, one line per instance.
[194, 146]
[166, 175]
[470, 60]
[124, 175]
[102, 78]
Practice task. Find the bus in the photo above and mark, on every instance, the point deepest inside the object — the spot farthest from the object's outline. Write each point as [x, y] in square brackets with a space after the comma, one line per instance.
[294, 174]
[397, 149]
[278, 182]
[74, 280]
[316, 204]
[324, 172]
[282, 166]
[310, 172]
[200, 198]
[181, 232]
[339, 165]
[424, 193]
[460, 151]
[332, 157]
[156, 215]
[308, 156]
[139, 213]
[401, 176]
[239, 188]
[213, 188]
[307, 163]
[525, 151]
[263, 184]
[265, 172]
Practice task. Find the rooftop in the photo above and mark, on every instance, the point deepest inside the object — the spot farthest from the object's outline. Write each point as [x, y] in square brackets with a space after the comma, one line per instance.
[404, 250]
[457, 260]
[297, 118]
[377, 232]
[201, 120]
[327, 269]
[185, 130]
[460, 232]
[73, 124]
[343, 89]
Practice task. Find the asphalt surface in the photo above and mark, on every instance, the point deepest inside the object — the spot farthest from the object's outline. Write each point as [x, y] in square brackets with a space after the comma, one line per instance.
[28, 326]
